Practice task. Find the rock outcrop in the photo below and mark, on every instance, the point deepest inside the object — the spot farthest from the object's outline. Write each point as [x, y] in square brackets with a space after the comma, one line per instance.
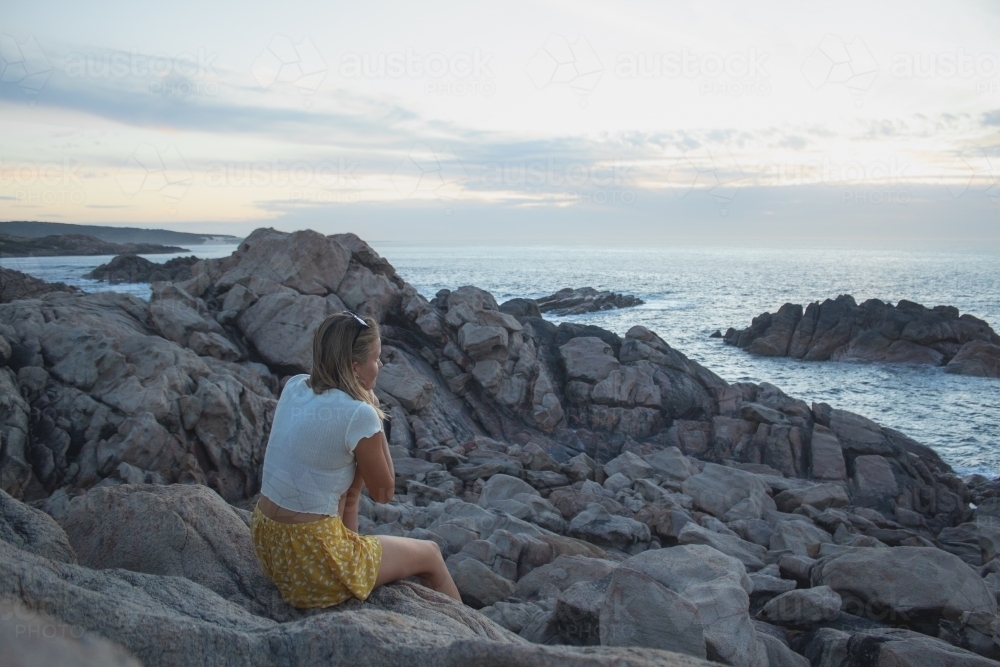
[569, 301]
[599, 492]
[130, 268]
[16, 285]
[841, 330]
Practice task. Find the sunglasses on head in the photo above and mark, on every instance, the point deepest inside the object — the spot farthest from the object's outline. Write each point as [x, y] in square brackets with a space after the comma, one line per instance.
[359, 320]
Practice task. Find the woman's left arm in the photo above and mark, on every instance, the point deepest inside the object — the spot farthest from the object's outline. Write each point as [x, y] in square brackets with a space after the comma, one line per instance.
[349, 502]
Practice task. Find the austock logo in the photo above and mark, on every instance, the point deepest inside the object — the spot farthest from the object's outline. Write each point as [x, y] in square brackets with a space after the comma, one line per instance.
[561, 62]
[428, 173]
[284, 61]
[150, 170]
[717, 172]
[24, 64]
[836, 62]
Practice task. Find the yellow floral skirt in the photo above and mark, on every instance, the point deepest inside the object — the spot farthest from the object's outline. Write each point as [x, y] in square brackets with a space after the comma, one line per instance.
[316, 564]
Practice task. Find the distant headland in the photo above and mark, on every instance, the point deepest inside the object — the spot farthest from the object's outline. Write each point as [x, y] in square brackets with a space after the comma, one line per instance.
[121, 235]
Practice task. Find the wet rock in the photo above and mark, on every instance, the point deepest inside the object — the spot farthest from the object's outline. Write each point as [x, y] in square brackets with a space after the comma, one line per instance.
[979, 358]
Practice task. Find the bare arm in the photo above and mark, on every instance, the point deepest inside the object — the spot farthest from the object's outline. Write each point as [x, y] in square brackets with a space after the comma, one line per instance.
[349, 502]
[375, 467]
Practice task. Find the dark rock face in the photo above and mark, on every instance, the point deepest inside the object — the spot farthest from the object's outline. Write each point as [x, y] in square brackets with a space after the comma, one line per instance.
[842, 330]
[130, 268]
[15, 285]
[569, 301]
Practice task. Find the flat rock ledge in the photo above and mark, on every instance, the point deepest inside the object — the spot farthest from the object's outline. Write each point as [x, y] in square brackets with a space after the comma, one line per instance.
[875, 331]
[598, 499]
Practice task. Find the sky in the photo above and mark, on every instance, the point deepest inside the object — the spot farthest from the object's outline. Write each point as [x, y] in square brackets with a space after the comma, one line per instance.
[628, 123]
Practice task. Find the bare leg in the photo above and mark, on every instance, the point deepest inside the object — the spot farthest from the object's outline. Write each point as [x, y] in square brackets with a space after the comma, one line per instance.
[404, 557]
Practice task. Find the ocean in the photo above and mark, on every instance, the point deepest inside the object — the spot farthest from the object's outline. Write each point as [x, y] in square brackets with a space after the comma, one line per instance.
[691, 292]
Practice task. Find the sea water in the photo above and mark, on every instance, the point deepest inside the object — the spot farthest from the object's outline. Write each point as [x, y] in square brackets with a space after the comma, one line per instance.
[691, 292]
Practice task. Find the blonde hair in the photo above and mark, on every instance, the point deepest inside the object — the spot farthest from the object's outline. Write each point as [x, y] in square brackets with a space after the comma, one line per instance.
[333, 355]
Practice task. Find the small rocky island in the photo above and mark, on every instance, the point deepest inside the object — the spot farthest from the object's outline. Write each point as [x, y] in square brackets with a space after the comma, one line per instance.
[600, 499]
[130, 268]
[875, 331]
[74, 244]
[569, 301]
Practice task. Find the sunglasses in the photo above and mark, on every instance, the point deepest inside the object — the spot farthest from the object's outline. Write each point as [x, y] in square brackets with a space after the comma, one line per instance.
[359, 320]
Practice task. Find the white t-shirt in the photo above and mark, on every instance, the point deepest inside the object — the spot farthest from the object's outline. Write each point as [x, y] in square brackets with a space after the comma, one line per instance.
[309, 461]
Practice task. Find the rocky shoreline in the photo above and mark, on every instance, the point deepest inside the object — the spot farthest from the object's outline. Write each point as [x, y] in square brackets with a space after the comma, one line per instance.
[599, 499]
[875, 331]
[16, 285]
[74, 244]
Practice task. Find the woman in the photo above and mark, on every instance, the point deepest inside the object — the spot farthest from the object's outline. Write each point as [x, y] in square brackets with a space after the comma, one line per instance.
[326, 442]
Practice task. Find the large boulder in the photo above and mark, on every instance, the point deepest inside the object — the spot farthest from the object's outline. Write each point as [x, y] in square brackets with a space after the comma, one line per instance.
[718, 587]
[637, 610]
[595, 524]
[976, 358]
[410, 387]
[750, 554]
[588, 358]
[549, 580]
[827, 456]
[802, 607]
[281, 326]
[305, 261]
[890, 646]
[719, 491]
[178, 530]
[915, 586]
[33, 530]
